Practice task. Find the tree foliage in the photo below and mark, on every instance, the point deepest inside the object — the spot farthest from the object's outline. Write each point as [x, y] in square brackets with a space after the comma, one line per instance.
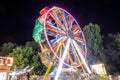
[27, 56]
[21, 56]
[6, 48]
[39, 67]
[112, 48]
[94, 43]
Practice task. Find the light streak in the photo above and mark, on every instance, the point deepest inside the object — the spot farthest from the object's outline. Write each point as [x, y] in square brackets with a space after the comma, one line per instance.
[81, 56]
[62, 60]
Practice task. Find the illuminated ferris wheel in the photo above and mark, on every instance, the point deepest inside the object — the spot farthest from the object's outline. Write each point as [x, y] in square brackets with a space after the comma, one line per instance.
[64, 37]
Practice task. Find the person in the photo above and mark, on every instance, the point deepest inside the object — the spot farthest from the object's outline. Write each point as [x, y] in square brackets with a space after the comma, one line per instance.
[28, 76]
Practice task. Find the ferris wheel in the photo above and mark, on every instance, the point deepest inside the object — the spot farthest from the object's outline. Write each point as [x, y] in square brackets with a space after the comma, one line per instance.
[64, 37]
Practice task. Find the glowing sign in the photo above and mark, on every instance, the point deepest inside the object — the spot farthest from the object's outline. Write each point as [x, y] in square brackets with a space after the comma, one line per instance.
[99, 69]
[8, 61]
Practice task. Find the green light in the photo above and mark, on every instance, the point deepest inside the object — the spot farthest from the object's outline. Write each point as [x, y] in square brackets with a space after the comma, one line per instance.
[36, 31]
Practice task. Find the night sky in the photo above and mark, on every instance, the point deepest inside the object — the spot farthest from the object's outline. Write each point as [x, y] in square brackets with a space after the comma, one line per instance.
[17, 17]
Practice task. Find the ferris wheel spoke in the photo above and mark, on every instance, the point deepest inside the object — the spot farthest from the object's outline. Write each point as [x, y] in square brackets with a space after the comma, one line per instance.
[51, 34]
[62, 59]
[61, 50]
[76, 54]
[81, 56]
[64, 16]
[73, 53]
[79, 39]
[79, 47]
[75, 28]
[62, 39]
[54, 15]
[78, 32]
[68, 57]
[59, 41]
[53, 26]
[57, 49]
[58, 18]
[55, 45]
[54, 29]
[70, 22]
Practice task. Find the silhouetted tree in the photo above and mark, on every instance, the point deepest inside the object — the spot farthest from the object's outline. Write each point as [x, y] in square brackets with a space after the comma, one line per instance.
[6, 48]
[112, 48]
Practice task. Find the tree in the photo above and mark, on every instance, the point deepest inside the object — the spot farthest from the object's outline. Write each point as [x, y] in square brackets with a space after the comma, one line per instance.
[34, 46]
[94, 43]
[112, 48]
[26, 56]
[21, 56]
[6, 48]
[39, 66]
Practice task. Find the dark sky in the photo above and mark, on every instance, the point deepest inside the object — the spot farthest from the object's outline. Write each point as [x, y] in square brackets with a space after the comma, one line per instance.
[17, 17]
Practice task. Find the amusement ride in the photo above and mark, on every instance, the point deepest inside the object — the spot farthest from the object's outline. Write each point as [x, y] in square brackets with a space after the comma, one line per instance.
[62, 44]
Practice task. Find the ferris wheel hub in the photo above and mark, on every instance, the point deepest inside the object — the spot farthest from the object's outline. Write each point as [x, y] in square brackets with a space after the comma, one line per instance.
[70, 34]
